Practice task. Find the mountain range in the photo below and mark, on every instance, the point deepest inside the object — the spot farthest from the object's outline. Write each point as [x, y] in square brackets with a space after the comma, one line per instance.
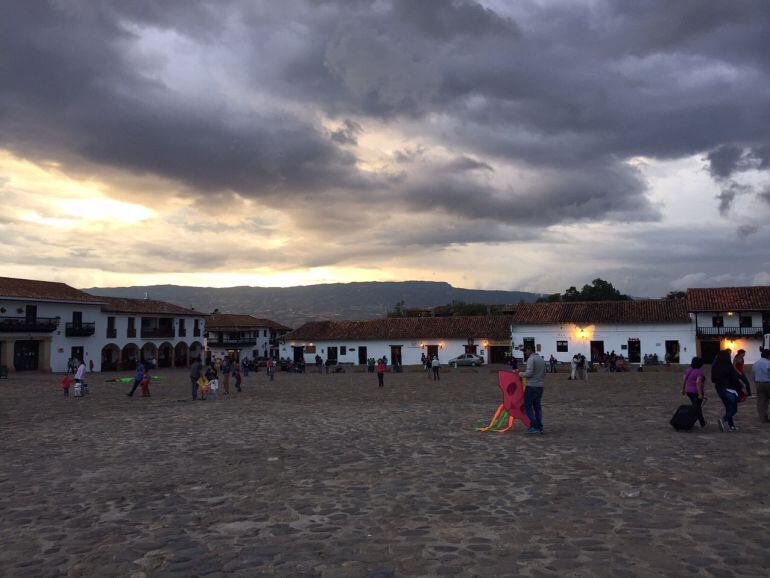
[293, 306]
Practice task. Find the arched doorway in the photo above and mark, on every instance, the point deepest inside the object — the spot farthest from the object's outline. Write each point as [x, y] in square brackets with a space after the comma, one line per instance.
[165, 354]
[110, 357]
[196, 350]
[149, 355]
[129, 356]
[180, 354]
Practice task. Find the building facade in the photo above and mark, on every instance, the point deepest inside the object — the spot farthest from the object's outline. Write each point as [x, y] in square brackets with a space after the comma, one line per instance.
[242, 336]
[402, 340]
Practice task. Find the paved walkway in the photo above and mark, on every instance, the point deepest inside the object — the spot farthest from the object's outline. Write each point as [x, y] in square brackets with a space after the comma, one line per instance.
[327, 475]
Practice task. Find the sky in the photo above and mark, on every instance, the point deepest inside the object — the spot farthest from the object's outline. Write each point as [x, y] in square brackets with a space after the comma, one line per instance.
[532, 145]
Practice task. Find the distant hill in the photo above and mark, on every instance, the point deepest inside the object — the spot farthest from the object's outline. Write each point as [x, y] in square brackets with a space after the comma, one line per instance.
[293, 306]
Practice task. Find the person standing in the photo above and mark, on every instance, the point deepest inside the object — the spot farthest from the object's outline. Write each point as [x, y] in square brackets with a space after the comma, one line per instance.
[137, 378]
[761, 374]
[226, 369]
[692, 387]
[728, 386]
[435, 365]
[270, 368]
[573, 367]
[380, 373]
[79, 377]
[552, 361]
[533, 392]
[739, 363]
[195, 374]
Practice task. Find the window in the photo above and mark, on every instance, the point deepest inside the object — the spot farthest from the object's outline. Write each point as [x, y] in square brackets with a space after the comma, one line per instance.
[196, 328]
[343, 350]
[77, 318]
[182, 329]
[131, 327]
[562, 346]
[264, 333]
[112, 333]
[308, 349]
[717, 321]
[745, 320]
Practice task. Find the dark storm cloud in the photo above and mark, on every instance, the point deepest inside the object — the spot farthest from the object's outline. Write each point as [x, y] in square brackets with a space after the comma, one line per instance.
[566, 92]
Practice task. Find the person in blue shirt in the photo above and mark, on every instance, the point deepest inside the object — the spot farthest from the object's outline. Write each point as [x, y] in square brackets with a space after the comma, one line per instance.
[137, 378]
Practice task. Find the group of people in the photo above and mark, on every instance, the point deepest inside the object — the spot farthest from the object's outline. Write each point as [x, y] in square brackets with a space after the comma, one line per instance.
[77, 382]
[578, 367]
[205, 380]
[732, 386]
[432, 366]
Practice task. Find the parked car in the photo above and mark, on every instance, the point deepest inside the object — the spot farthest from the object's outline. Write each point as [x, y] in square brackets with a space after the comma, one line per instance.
[467, 359]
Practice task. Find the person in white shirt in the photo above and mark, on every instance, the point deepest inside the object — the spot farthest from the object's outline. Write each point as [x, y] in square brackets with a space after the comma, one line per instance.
[79, 375]
[435, 365]
[761, 373]
[213, 388]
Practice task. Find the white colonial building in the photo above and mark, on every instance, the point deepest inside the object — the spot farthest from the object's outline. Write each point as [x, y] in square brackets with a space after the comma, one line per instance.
[240, 336]
[402, 339]
[154, 332]
[44, 324]
[630, 328]
[730, 318]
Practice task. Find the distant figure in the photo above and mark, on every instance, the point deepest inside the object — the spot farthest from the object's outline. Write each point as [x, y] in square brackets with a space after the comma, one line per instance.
[238, 380]
[137, 378]
[435, 366]
[145, 383]
[66, 383]
[226, 369]
[91, 366]
[552, 362]
[213, 388]
[761, 374]
[381, 372]
[739, 363]
[270, 368]
[533, 392]
[385, 359]
[196, 370]
[80, 387]
[514, 363]
[573, 365]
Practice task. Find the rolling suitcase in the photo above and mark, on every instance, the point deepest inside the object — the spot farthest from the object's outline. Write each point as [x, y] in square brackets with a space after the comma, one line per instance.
[684, 418]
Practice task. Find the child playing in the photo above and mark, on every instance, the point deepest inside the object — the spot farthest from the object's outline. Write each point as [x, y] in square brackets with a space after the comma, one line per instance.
[66, 383]
[145, 384]
[238, 380]
[203, 388]
[213, 387]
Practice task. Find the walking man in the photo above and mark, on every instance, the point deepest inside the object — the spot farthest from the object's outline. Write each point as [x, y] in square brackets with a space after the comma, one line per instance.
[137, 378]
[761, 374]
[533, 393]
[195, 374]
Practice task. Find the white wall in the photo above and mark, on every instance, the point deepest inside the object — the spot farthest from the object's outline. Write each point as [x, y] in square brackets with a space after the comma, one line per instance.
[652, 338]
[411, 349]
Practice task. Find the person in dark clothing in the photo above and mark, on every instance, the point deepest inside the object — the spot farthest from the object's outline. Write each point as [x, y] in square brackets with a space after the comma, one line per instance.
[728, 386]
[692, 387]
[196, 370]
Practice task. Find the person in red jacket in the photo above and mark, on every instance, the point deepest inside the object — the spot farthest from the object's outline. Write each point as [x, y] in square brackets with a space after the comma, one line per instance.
[380, 371]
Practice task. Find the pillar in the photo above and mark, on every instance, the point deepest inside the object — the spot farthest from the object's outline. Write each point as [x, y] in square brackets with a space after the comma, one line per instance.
[6, 353]
[44, 355]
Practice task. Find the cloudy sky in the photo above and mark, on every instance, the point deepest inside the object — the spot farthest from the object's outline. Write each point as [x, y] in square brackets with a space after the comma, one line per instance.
[530, 145]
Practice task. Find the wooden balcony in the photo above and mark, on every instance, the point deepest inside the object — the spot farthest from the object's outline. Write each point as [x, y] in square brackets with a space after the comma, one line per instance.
[729, 331]
[157, 332]
[27, 325]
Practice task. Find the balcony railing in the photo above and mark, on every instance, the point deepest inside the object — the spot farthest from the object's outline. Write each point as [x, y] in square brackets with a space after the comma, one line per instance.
[182, 332]
[153, 332]
[245, 342]
[79, 329]
[112, 333]
[25, 325]
[730, 331]
[196, 332]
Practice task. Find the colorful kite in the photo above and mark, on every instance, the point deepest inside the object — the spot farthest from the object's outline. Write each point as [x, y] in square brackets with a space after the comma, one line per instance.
[512, 408]
[131, 379]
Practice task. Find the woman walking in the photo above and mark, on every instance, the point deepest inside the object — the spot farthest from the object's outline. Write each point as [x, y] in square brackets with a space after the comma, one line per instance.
[728, 386]
[692, 387]
[380, 372]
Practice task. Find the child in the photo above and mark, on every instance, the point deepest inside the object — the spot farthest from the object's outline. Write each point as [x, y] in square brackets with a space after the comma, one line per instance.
[145, 384]
[213, 387]
[237, 375]
[203, 387]
[66, 383]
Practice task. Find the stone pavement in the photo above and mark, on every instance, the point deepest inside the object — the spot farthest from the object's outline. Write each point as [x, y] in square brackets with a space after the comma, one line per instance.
[327, 475]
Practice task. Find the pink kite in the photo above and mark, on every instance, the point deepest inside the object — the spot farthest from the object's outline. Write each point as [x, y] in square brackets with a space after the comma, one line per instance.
[512, 407]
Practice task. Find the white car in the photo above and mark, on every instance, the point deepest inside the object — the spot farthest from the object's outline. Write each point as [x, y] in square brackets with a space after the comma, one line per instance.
[467, 359]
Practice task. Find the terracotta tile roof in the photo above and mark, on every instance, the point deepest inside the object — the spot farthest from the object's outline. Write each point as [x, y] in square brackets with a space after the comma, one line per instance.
[643, 311]
[234, 322]
[145, 306]
[729, 299]
[485, 327]
[43, 290]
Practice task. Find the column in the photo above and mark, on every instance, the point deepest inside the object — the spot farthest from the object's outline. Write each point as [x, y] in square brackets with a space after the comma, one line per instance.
[6, 355]
[45, 355]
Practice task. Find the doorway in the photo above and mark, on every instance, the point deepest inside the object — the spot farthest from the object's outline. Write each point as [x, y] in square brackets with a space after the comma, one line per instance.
[529, 342]
[395, 354]
[26, 355]
[299, 354]
[672, 352]
[634, 350]
[432, 351]
[77, 354]
[708, 351]
[331, 355]
[499, 353]
[471, 349]
[363, 359]
[597, 351]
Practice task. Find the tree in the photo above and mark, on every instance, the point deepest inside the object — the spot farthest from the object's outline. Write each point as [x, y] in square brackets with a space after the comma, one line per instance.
[676, 295]
[399, 310]
[598, 290]
[460, 308]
